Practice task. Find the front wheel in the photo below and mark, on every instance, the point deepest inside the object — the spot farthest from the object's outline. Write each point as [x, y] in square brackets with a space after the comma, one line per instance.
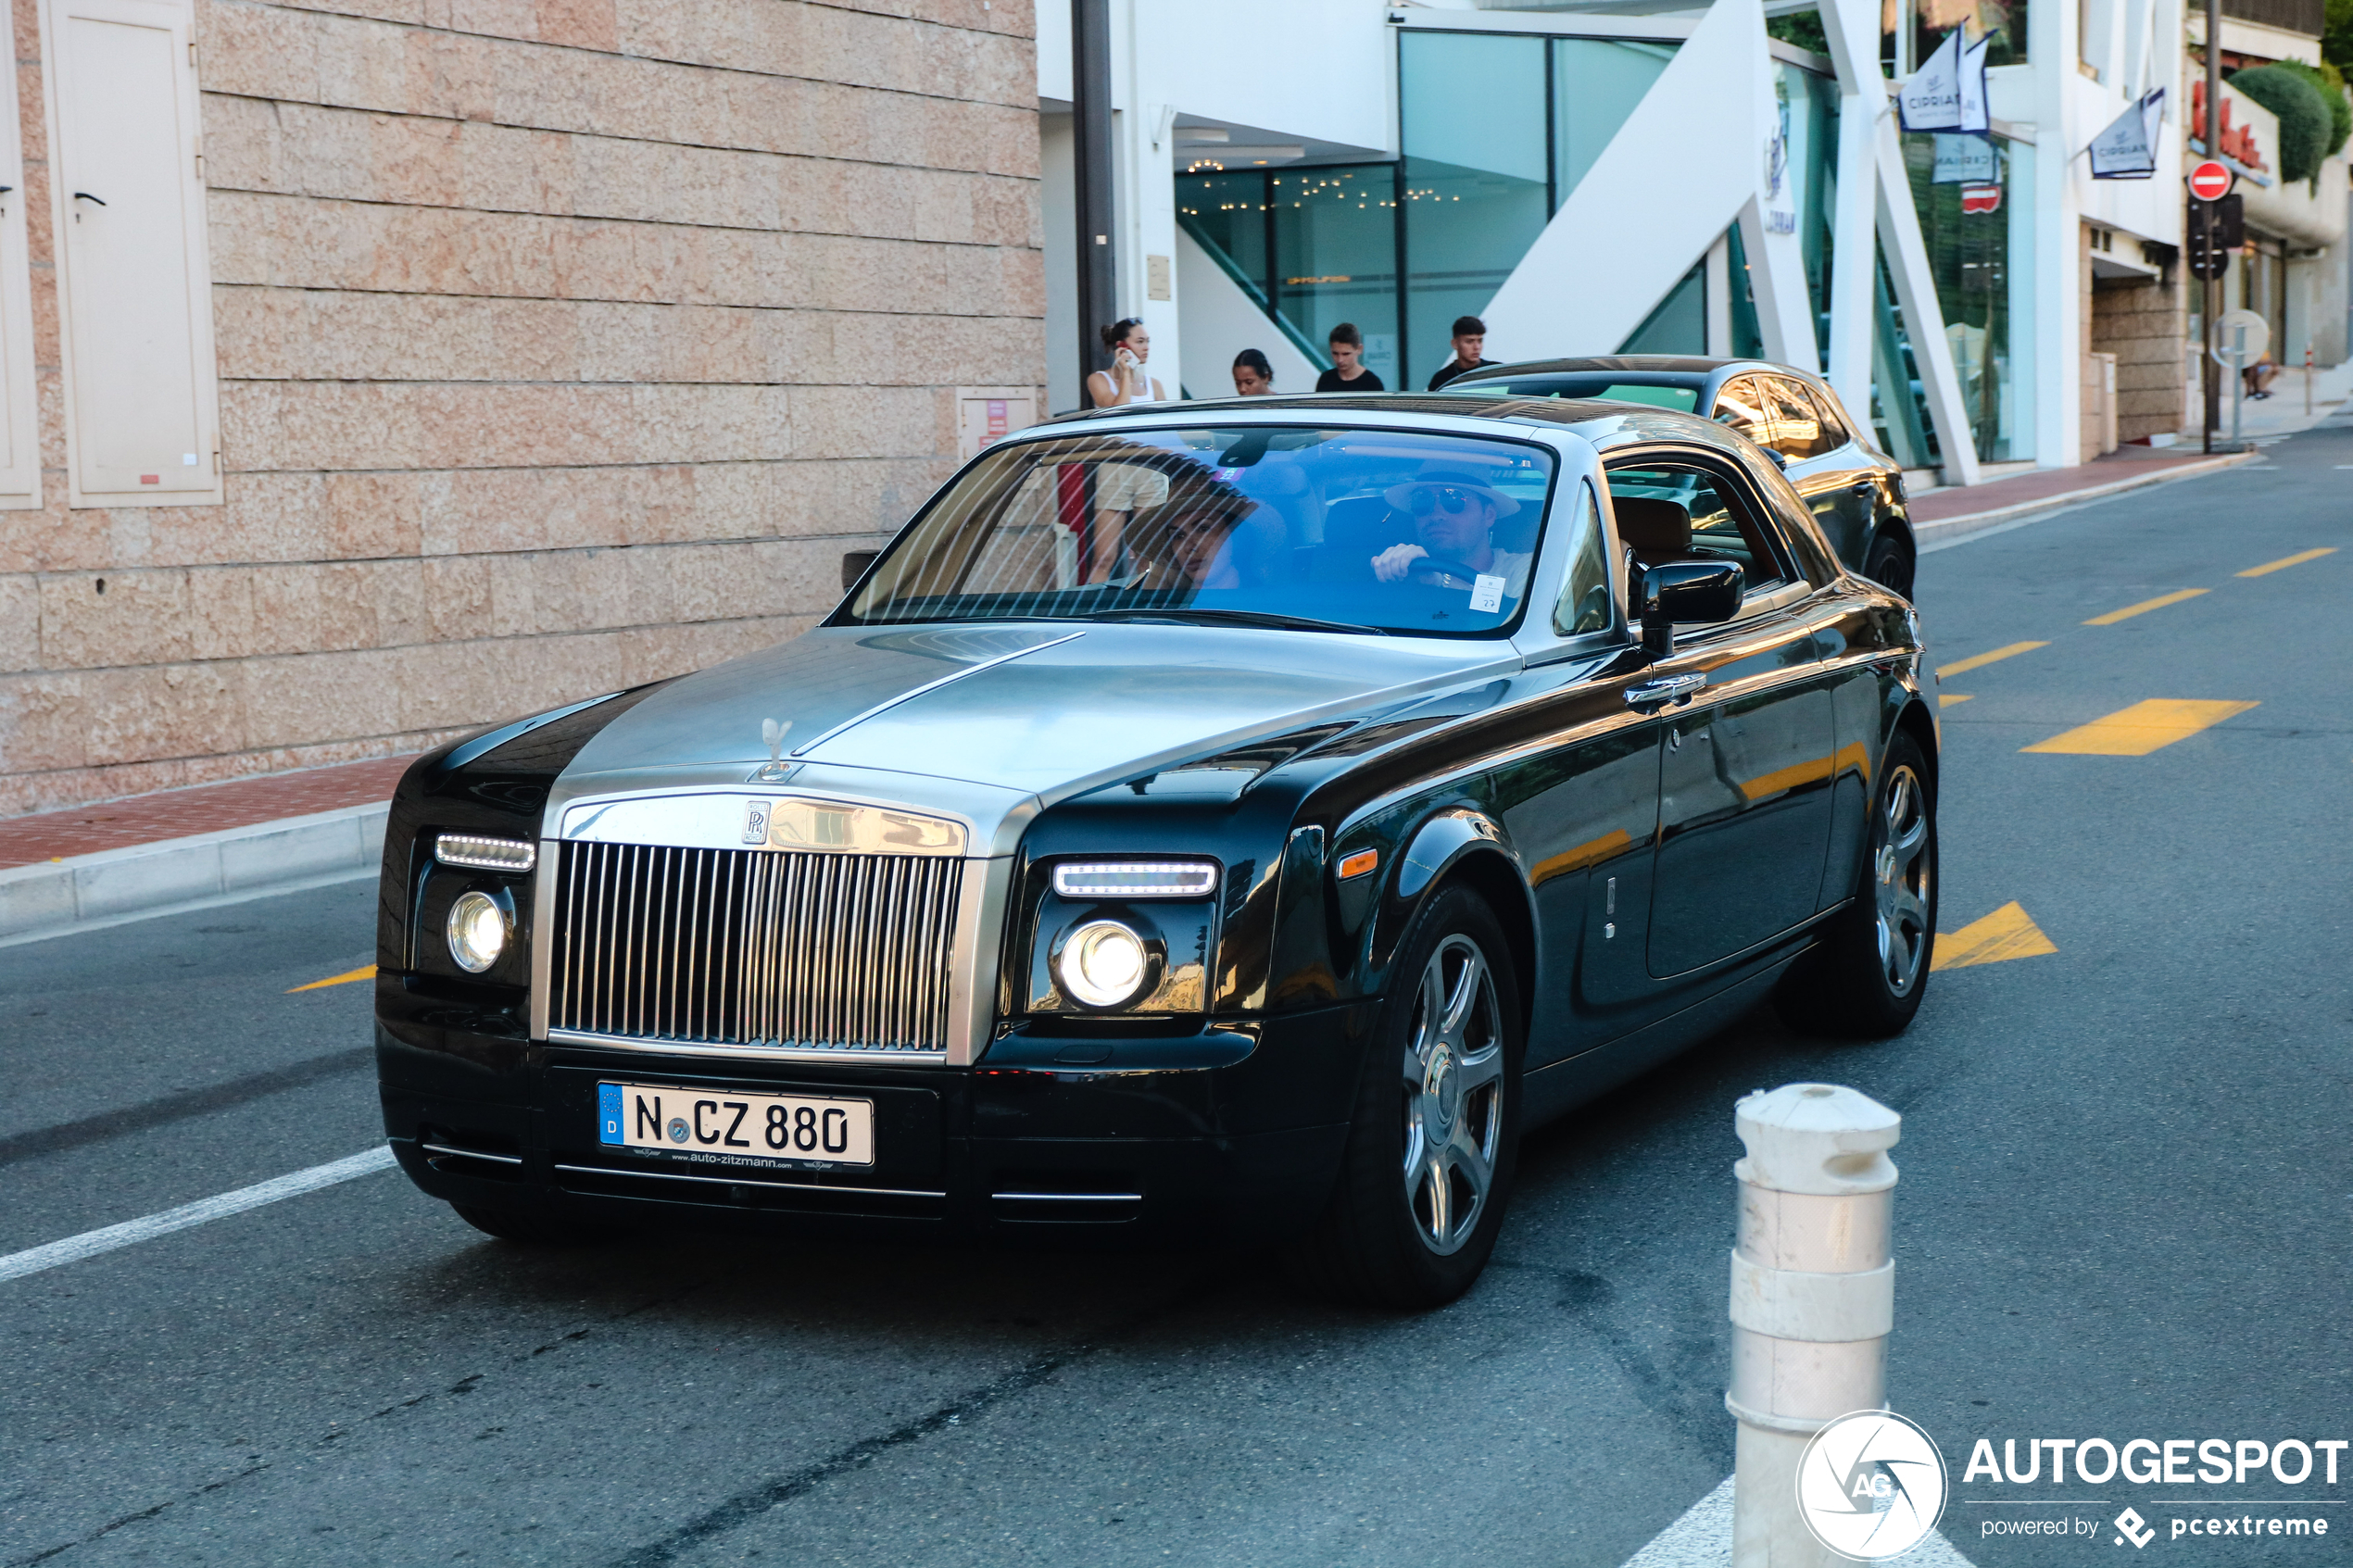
[1435, 1136]
[1867, 974]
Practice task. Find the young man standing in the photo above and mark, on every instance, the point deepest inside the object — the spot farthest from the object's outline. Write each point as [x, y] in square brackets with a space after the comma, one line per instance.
[1470, 337]
[1348, 372]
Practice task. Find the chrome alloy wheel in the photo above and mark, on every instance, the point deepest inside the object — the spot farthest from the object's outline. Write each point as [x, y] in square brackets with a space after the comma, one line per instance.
[1453, 1096]
[1902, 867]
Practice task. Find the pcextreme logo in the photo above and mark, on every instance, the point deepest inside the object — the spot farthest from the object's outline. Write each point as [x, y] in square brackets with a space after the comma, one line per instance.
[1870, 1486]
[2279, 1473]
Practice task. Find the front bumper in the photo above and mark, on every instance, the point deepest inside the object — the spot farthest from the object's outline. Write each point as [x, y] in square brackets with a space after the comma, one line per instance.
[1231, 1132]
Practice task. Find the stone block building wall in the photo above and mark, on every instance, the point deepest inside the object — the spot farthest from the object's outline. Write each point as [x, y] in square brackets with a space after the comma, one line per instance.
[2142, 325]
[564, 344]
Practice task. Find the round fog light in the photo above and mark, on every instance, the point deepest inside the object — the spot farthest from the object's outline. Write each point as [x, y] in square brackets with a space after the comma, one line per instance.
[1102, 963]
[477, 932]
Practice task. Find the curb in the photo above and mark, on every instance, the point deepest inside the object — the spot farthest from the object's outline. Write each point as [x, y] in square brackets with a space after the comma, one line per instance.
[197, 871]
[1954, 530]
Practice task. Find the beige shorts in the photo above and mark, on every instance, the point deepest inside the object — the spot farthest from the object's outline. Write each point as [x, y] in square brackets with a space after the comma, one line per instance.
[1122, 488]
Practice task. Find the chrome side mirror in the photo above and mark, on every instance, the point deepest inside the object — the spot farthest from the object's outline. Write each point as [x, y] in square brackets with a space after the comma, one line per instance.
[1699, 593]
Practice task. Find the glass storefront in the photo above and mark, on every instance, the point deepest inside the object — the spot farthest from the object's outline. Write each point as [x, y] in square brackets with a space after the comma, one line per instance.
[1976, 202]
[1335, 258]
[1596, 83]
[1498, 129]
[1477, 179]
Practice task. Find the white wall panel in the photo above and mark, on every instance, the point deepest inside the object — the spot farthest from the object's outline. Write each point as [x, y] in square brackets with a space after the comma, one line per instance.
[20, 418]
[134, 274]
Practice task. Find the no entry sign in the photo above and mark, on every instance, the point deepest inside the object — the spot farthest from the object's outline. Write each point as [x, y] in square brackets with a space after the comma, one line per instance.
[2209, 182]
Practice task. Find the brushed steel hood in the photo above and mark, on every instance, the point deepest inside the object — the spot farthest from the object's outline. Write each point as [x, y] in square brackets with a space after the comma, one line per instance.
[1030, 710]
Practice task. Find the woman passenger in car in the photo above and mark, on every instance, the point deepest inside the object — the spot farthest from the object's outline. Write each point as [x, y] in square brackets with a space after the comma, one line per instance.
[1455, 517]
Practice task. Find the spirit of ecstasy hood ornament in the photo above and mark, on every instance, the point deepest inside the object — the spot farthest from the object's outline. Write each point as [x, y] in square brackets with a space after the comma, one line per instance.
[775, 770]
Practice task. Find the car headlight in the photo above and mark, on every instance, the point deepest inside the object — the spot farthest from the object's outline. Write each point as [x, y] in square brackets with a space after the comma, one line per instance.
[1135, 879]
[477, 932]
[1103, 963]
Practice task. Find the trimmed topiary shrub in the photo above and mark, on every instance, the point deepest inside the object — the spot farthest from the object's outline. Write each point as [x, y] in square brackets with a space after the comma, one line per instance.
[2331, 84]
[2304, 120]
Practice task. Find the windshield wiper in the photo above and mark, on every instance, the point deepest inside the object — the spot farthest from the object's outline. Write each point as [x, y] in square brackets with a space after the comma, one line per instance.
[1182, 613]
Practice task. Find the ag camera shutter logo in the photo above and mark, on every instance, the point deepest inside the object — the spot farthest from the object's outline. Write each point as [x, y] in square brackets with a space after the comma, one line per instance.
[1871, 1486]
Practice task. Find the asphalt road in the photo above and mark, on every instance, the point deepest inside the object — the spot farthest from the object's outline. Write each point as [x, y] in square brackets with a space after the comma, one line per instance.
[2123, 1213]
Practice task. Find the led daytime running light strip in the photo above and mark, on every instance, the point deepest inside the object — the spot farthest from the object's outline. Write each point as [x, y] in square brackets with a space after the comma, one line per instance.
[486, 854]
[1136, 879]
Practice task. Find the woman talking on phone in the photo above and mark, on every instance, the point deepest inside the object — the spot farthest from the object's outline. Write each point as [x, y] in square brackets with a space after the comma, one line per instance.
[1126, 381]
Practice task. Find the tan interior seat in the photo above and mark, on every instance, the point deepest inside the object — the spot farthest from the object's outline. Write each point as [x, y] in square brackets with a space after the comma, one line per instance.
[1656, 530]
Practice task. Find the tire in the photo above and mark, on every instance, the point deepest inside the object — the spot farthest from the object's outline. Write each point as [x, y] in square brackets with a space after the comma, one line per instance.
[1889, 564]
[1435, 1138]
[1865, 977]
[532, 1229]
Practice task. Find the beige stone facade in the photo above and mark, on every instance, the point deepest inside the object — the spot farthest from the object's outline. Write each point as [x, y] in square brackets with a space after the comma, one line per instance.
[563, 345]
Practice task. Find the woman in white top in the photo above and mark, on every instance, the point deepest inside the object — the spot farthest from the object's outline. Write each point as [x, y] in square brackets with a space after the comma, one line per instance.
[1125, 382]
[1122, 491]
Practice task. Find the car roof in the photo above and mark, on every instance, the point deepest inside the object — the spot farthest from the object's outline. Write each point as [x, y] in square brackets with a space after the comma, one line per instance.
[1568, 411]
[1605, 424]
[1664, 369]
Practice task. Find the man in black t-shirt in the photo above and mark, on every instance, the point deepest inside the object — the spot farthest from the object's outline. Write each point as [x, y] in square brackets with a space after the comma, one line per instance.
[1348, 372]
[1470, 337]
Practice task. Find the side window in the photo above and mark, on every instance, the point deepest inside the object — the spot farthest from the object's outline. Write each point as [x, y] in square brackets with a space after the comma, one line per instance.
[1740, 402]
[1835, 431]
[1585, 596]
[1800, 430]
[1669, 511]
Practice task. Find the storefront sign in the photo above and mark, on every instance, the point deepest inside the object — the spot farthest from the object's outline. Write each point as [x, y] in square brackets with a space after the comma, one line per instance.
[2127, 149]
[1948, 92]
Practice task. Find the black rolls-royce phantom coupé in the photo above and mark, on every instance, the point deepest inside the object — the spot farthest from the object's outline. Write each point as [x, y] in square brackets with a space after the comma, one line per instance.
[1229, 820]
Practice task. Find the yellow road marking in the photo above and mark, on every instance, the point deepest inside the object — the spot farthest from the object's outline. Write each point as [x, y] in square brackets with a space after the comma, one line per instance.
[366, 972]
[2112, 616]
[2142, 728]
[1949, 701]
[2006, 934]
[2286, 561]
[1979, 661]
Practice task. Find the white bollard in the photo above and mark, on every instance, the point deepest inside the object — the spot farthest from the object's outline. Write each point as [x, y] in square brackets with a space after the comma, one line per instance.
[1813, 1298]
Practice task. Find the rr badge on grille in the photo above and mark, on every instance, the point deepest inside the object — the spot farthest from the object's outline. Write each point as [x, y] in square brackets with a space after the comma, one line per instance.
[756, 822]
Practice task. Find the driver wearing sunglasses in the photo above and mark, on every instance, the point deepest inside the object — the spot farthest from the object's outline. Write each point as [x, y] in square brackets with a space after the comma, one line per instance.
[1454, 516]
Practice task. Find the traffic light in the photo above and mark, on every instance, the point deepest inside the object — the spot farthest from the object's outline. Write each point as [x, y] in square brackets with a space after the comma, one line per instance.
[2230, 221]
[2216, 228]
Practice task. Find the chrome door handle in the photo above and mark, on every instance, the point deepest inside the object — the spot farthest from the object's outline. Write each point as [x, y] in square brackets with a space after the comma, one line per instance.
[1861, 487]
[1668, 688]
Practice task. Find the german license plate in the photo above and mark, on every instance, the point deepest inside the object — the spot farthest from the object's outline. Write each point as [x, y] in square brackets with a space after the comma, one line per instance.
[721, 1128]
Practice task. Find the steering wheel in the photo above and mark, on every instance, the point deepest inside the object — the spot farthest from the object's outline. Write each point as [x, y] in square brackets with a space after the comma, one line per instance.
[1427, 568]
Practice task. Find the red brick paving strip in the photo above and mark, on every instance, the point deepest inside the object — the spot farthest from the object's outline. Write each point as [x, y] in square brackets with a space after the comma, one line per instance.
[176, 814]
[2043, 484]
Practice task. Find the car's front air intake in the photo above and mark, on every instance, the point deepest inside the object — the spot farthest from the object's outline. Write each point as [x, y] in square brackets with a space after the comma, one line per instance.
[754, 947]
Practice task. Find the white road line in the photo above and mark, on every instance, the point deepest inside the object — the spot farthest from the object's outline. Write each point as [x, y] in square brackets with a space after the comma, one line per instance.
[73, 1248]
[1702, 1538]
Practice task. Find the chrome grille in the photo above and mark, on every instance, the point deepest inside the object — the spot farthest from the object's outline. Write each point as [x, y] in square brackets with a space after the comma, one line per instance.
[754, 947]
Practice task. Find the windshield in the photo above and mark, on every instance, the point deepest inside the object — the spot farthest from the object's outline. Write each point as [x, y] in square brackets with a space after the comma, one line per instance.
[1317, 529]
[1679, 399]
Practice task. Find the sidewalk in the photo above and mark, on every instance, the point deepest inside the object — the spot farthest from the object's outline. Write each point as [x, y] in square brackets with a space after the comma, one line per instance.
[99, 865]
[1947, 515]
